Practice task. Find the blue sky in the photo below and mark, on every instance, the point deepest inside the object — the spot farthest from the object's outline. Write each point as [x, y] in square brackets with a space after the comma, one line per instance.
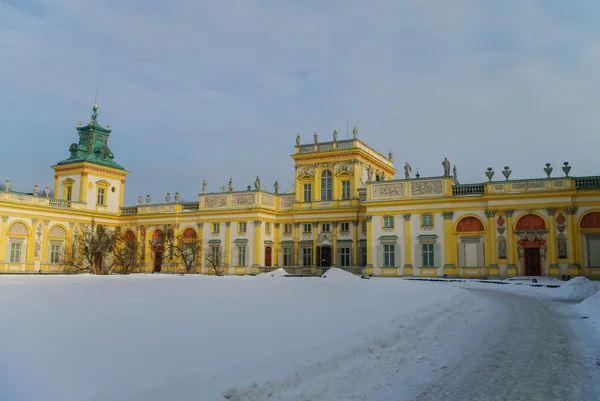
[209, 90]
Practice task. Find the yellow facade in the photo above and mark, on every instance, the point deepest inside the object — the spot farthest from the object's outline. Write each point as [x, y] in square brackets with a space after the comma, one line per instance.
[346, 209]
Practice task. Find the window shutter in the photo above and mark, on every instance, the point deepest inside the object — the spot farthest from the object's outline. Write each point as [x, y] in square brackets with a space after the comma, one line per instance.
[397, 256]
[437, 256]
[279, 256]
[418, 257]
[379, 256]
[461, 256]
[480, 255]
[337, 257]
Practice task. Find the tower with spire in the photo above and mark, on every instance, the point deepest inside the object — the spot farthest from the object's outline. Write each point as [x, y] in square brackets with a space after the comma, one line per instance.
[90, 176]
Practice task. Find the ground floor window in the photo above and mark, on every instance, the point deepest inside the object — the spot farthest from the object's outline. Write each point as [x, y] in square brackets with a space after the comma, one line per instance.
[345, 257]
[363, 256]
[55, 253]
[389, 255]
[307, 257]
[15, 252]
[288, 256]
[241, 256]
[428, 255]
[593, 250]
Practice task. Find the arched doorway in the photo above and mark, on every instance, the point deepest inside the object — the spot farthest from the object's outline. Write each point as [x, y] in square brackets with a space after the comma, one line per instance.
[268, 256]
[157, 250]
[590, 228]
[470, 242]
[531, 246]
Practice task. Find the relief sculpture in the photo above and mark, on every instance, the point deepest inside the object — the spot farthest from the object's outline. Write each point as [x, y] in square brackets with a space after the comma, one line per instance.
[267, 200]
[388, 190]
[287, 202]
[242, 200]
[215, 201]
[529, 185]
[422, 188]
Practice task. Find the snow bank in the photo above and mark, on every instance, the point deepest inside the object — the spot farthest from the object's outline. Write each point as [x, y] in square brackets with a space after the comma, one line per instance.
[339, 274]
[275, 273]
[590, 308]
[577, 288]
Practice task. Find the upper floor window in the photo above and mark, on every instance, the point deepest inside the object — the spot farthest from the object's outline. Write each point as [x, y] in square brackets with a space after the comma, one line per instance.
[242, 226]
[55, 253]
[345, 226]
[307, 192]
[346, 189]
[101, 195]
[388, 221]
[15, 252]
[307, 227]
[364, 226]
[267, 227]
[325, 227]
[326, 185]
[427, 220]
[216, 228]
[287, 228]
[69, 195]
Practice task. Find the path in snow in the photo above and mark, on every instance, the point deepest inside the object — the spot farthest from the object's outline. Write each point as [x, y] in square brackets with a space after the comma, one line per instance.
[504, 346]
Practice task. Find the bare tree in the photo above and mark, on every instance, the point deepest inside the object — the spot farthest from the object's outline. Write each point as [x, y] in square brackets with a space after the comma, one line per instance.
[93, 249]
[184, 247]
[215, 260]
[124, 251]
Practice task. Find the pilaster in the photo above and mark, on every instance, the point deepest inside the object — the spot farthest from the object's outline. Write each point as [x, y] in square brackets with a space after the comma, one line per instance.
[276, 241]
[449, 244]
[369, 245]
[83, 187]
[3, 239]
[296, 238]
[45, 245]
[228, 243]
[490, 242]
[407, 246]
[355, 245]
[257, 242]
[201, 255]
[551, 243]
[315, 230]
[512, 243]
[334, 259]
[31, 255]
[574, 254]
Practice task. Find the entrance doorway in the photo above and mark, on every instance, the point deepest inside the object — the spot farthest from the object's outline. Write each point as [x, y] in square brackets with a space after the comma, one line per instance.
[158, 258]
[324, 256]
[532, 262]
[268, 256]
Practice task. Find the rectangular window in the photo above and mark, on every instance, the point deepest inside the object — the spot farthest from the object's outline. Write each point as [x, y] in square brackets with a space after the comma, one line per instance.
[215, 255]
[389, 255]
[307, 228]
[325, 227]
[287, 257]
[287, 228]
[216, 228]
[427, 220]
[267, 227]
[388, 222]
[307, 257]
[69, 193]
[54, 253]
[428, 255]
[345, 257]
[345, 189]
[242, 226]
[345, 226]
[15, 252]
[363, 256]
[307, 193]
[364, 226]
[100, 196]
[241, 260]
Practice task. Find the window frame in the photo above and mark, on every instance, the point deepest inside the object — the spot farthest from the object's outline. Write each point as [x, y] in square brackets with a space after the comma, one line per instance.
[389, 255]
[242, 227]
[325, 228]
[215, 228]
[305, 225]
[345, 226]
[307, 192]
[287, 256]
[18, 250]
[389, 221]
[287, 228]
[428, 255]
[101, 196]
[326, 185]
[345, 257]
[428, 216]
[242, 256]
[345, 189]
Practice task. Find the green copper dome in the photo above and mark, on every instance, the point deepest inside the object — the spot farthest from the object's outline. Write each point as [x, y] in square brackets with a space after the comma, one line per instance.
[93, 145]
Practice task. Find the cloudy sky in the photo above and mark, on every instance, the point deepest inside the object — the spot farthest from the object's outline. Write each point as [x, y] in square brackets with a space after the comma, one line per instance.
[214, 89]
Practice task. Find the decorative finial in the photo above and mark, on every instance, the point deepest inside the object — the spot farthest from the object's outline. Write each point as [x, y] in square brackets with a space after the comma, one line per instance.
[140, 199]
[177, 197]
[168, 197]
[417, 175]
[148, 198]
[6, 185]
[79, 123]
[507, 171]
[316, 137]
[335, 135]
[490, 173]
[298, 140]
[391, 156]
[354, 133]
[548, 169]
[108, 126]
[95, 107]
[566, 168]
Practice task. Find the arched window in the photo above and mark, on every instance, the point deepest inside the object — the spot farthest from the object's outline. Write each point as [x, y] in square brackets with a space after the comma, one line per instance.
[326, 185]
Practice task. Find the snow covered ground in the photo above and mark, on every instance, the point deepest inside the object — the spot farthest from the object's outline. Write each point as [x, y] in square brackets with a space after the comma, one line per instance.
[176, 338]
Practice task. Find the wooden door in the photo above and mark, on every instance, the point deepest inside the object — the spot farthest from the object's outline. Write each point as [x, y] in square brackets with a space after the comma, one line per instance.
[532, 262]
[268, 256]
[158, 256]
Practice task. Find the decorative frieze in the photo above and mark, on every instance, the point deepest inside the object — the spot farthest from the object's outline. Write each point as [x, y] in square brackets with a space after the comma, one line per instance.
[267, 200]
[425, 188]
[214, 201]
[242, 200]
[525, 185]
[287, 202]
[388, 190]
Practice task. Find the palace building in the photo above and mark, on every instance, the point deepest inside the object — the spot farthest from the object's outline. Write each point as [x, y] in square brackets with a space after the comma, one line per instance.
[347, 209]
